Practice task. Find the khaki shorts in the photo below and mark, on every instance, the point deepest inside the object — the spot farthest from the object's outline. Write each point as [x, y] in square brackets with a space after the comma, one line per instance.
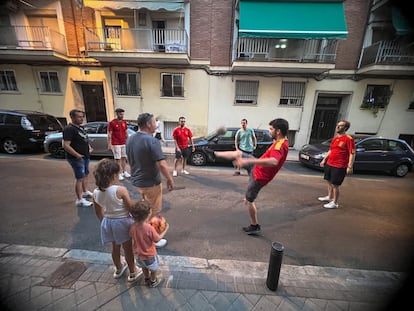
[119, 151]
[153, 195]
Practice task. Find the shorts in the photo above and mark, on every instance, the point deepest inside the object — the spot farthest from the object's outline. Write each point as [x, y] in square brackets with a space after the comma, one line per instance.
[253, 189]
[153, 195]
[119, 151]
[80, 167]
[334, 175]
[115, 230]
[151, 264]
[183, 153]
[158, 136]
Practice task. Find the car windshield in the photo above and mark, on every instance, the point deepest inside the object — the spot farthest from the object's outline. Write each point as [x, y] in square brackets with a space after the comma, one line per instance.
[44, 122]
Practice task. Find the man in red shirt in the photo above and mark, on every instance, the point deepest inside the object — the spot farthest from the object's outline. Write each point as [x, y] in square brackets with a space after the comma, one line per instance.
[339, 162]
[117, 136]
[261, 170]
[181, 135]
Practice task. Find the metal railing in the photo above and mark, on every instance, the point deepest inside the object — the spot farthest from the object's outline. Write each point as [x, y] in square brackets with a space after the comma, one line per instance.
[32, 38]
[295, 50]
[137, 40]
[387, 53]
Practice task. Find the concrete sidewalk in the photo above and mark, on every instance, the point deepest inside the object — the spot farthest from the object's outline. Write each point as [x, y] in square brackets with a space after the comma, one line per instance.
[42, 278]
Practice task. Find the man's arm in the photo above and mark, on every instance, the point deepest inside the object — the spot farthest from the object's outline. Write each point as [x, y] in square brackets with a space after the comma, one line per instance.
[236, 140]
[322, 164]
[163, 167]
[110, 139]
[254, 140]
[68, 148]
[263, 162]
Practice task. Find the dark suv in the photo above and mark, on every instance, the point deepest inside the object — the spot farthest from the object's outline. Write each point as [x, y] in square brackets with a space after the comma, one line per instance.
[23, 130]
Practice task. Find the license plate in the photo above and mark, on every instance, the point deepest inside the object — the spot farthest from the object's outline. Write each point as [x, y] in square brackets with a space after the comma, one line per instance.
[304, 156]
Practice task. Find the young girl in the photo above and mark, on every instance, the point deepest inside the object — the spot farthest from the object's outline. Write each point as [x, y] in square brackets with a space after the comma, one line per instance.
[112, 205]
[144, 238]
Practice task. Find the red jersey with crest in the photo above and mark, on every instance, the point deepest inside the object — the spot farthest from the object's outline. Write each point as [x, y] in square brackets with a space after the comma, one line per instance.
[278, 150]
[341, 148]
[181, 135]
[118, 128]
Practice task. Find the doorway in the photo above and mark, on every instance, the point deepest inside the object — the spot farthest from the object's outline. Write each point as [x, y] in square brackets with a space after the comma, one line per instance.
[325, 118]
[94, 101]
[159, 35]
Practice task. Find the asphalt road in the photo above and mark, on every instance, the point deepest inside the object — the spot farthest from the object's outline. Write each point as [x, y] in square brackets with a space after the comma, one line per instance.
[372, 229]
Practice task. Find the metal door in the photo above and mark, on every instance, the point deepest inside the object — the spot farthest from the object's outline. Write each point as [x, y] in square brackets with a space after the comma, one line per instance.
[94, 101]
[325, 119]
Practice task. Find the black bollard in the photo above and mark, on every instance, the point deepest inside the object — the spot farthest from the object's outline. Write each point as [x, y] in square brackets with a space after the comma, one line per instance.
[275, 262]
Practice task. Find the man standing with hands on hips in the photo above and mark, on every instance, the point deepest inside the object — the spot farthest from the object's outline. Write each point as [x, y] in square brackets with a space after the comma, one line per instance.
[181, 135]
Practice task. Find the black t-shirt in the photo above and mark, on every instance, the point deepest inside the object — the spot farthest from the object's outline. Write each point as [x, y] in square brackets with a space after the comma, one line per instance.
[78, 140]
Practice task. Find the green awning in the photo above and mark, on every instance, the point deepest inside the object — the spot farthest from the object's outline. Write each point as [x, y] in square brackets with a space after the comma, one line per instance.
[292, 19]
[400, 23]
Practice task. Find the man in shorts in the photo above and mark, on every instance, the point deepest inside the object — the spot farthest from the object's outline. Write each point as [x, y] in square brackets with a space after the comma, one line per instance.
[147, 161]
[76, 145]
[181, 135]
[337, 163]
[244, 140]
[117, 136]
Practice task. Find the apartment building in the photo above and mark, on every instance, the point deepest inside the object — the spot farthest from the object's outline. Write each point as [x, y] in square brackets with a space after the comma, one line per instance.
[214, 62]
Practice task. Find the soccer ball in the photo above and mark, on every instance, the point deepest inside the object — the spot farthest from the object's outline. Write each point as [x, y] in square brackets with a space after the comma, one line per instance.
[221, 130]
[159, 223]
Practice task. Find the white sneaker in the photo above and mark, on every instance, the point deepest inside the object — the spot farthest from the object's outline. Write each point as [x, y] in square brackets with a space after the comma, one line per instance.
[121, 177]
[83, 203]
[174, 173]
[185, 172]
[325, 199]
[126, 174]
[87, 195]
[161, 243]
[331, 205]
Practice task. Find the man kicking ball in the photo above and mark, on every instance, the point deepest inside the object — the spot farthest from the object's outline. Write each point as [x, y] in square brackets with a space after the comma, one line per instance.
[261, 170]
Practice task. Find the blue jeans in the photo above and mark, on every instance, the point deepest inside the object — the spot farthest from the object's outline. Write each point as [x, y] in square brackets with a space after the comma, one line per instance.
[80, 167]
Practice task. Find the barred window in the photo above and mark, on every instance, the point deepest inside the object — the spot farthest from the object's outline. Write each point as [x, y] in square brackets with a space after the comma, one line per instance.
[246, 92]
[376, 96]
[172, 84]
[128, 83]
[49, 82]
[293, 93]
[7, 80]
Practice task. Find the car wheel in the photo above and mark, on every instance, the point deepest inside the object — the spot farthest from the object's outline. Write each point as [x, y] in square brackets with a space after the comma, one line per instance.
[56, 150]
[198, 158]
[401, 170]
[10, 146]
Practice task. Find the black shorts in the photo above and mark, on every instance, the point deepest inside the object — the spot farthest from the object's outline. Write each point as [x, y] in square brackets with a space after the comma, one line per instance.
[183, 153]
[253, 189]
[334, 175]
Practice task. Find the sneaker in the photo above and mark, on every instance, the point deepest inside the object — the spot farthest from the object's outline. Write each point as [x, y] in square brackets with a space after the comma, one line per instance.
[236, 173]
[147, 281]
[120, 272]
[325, 199]
[83, 203]
[252, 229]
[184, 172]
[161, 243]
[132, 277]
[87, 195]
[331, 205]
[155, 283]
[126, 174]
[174, 173]
[121, 177]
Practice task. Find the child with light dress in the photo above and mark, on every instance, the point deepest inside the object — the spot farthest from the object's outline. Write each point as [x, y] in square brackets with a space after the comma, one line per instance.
[112, 206]
[144, 238]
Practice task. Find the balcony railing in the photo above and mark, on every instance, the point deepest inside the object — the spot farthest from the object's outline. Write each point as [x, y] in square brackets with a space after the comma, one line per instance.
[387, 53]
[294, 50]
[32, 38]
[137, 40]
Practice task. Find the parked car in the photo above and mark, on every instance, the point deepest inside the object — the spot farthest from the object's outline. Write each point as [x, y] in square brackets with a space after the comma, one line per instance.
[389, 155]
[225, 142]
[98, 139]
[25, 130]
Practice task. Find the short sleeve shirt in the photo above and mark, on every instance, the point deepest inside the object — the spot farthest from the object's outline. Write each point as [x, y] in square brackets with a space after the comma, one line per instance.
[341, 147]
[245, 139]
[118, 129]
[78, 140]
[181, 136]
[144, 238]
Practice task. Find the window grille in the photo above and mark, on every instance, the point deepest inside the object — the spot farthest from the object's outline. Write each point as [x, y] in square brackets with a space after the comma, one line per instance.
[377, 96]
[7, 80]
[172, 85]
[128, 84]
[49, 82]
[293, 93]
[246, 92]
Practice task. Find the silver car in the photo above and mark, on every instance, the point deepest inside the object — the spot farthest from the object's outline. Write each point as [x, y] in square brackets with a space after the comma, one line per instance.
[98, 139]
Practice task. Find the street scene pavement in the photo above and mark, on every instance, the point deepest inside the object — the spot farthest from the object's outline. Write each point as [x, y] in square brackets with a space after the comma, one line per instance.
[51, 257]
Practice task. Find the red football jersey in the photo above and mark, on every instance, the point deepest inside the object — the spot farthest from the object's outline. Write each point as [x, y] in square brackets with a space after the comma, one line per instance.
[341, 147]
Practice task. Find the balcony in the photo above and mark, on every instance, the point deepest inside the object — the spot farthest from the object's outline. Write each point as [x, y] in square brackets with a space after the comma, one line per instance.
[126, 45]
[387, 58]
[31, 43]
[284, 55]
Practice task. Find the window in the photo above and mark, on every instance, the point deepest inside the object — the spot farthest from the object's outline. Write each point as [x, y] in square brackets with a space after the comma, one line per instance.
[376, 96]
[128, 83]
[172, 85]
[293, 93]
[49, 82]
[246, 92]
[7, 80]
[373, 145]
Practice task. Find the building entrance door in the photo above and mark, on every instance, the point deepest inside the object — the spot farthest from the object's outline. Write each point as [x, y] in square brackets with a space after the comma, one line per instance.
[94, 101]
[325, 119]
